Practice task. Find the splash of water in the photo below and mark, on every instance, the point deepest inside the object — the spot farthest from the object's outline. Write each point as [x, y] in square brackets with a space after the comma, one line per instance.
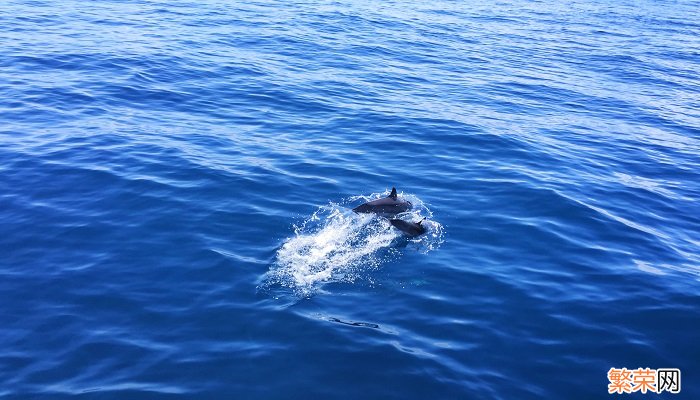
[337, 245]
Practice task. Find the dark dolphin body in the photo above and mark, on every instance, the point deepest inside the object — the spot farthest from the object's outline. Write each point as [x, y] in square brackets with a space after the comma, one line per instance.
[409, 228]
[390, 205]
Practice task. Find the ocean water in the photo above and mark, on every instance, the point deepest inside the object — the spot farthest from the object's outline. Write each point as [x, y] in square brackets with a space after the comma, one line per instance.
[176, 179]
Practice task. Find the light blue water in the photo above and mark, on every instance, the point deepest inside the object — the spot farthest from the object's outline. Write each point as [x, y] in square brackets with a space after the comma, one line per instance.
[176, 180]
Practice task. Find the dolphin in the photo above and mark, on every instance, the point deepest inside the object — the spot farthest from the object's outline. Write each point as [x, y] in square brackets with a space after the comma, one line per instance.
[390, 205]
[411, 229]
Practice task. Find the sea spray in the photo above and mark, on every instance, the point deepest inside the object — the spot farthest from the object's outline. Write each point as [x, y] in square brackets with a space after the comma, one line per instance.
[335, 244]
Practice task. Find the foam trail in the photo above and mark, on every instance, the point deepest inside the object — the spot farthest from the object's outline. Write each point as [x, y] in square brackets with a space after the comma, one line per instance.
[337, 245]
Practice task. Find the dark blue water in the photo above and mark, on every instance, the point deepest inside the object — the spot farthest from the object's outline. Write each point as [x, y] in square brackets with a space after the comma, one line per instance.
[176, 180]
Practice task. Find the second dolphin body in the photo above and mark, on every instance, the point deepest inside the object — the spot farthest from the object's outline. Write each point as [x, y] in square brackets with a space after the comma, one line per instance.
[409, 228]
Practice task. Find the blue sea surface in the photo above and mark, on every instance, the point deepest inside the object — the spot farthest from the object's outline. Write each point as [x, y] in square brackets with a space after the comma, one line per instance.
[177, 179]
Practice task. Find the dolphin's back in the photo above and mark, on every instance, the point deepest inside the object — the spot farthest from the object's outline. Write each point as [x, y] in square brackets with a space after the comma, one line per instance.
[390, 205]
[384, 206]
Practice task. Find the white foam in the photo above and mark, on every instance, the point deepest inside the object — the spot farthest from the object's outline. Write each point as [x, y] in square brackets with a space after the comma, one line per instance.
[337, 245]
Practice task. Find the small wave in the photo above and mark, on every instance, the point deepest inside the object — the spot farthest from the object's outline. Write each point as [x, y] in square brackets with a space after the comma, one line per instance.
[335, 244]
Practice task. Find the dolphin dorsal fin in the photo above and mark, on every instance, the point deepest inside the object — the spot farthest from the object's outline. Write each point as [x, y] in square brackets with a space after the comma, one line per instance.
[393, 193]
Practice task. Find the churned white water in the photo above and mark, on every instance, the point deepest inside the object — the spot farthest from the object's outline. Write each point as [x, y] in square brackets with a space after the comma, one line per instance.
[335, 244]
